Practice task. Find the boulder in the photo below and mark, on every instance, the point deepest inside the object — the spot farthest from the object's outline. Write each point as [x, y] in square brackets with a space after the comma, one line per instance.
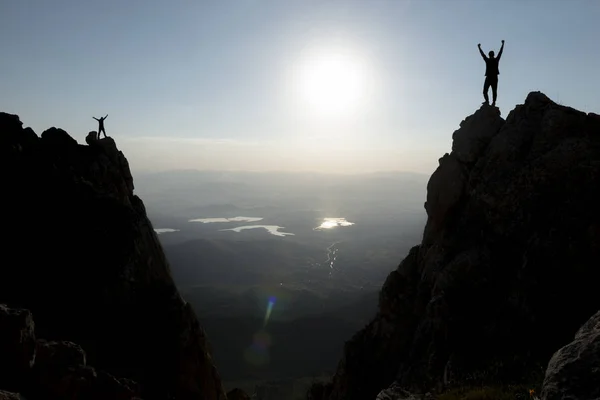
[59, 355]
[574, 370]
[60, 371]
[91, 138]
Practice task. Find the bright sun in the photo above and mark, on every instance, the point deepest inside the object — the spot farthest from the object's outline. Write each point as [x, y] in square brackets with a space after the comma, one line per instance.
[332, 83]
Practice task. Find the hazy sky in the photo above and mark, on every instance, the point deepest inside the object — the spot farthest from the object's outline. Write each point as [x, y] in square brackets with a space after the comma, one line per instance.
[345, 86]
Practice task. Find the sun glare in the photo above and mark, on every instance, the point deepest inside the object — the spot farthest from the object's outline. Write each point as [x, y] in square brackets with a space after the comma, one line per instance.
[332, 83]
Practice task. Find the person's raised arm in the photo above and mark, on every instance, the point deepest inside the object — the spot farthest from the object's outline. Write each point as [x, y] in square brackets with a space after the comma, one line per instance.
[96, 118]
[481, 52]
[501, 48]
[107, 114]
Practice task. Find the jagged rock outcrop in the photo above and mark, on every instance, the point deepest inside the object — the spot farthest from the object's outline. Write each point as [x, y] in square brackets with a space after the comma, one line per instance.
[507, 270]
[81, 255]
[50, 370]
[574, 370]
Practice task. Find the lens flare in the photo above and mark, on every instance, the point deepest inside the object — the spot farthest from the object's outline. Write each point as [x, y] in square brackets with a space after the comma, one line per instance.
[270, 305]
[257, 353]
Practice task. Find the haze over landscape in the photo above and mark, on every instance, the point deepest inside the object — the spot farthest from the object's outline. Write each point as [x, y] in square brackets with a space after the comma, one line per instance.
[331, 86]
[309, 191]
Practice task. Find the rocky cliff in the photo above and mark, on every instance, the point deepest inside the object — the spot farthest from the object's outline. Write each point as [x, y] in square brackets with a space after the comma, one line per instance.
[508, 267]
[81, 255]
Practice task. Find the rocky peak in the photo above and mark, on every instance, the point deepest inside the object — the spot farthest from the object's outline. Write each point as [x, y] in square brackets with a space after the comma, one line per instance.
[507, 269]
[83, 258]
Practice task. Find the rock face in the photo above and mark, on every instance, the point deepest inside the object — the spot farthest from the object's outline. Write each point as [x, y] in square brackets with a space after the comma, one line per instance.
[574, 370]
[394, 392]
[17, 346]
[83, 258]
[9, 396]
[507, 270]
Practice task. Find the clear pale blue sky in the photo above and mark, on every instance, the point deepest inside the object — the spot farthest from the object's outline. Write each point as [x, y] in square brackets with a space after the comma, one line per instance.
[201, 84]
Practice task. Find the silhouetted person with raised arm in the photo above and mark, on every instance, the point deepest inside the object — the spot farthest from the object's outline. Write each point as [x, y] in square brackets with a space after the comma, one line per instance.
[101, 125]
[491, 73]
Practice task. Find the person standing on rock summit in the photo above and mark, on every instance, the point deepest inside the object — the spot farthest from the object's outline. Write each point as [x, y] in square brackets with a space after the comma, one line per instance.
[101, 125]
[491, 73]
